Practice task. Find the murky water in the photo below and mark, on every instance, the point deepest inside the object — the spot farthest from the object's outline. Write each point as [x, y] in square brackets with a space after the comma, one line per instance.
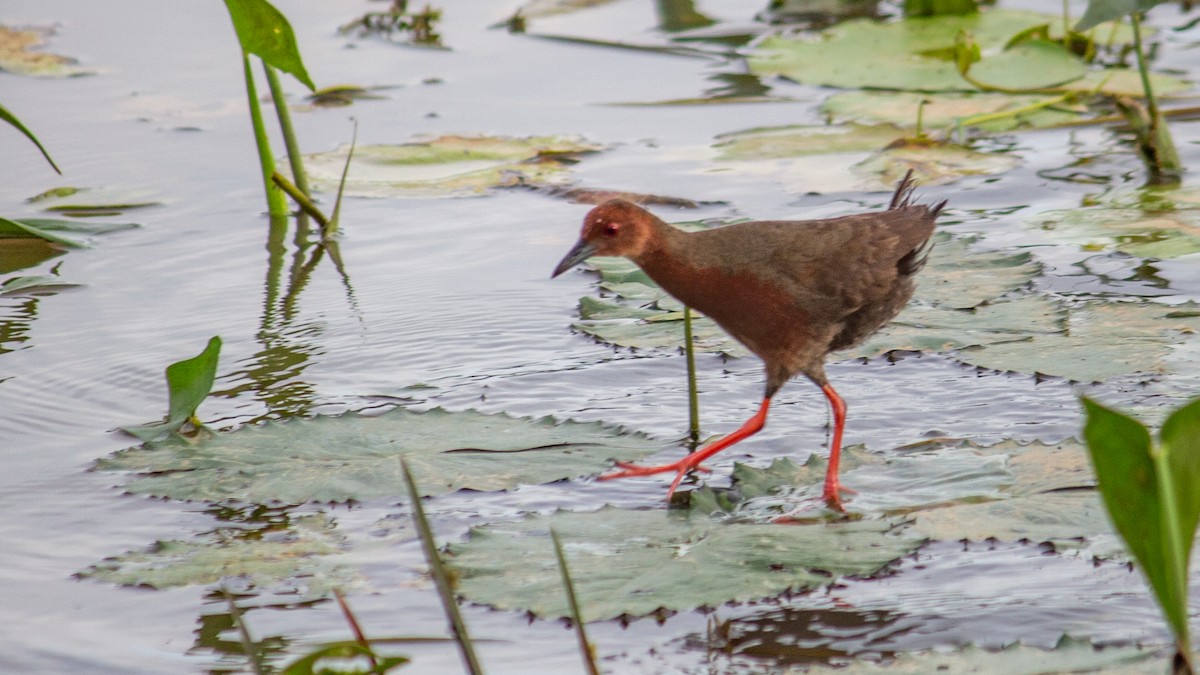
[454, 294]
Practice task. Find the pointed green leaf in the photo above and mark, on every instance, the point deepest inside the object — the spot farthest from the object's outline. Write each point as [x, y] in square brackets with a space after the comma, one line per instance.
[265, 32]
[16, 123]
[1121, 453]
[188, 384]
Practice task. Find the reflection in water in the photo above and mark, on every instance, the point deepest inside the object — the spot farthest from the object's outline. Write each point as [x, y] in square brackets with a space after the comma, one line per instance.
[212, 640]
[801, 636]
[14, 322]
[273, 375]
[736, 85]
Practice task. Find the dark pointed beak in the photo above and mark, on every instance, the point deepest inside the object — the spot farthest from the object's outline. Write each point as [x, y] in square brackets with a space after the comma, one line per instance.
[581, 251]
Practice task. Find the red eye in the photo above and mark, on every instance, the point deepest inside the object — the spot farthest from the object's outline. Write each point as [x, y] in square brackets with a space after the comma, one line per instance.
[611, 229]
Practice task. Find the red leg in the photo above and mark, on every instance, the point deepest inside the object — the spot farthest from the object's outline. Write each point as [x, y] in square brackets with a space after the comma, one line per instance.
[692, 461]
[833, 487]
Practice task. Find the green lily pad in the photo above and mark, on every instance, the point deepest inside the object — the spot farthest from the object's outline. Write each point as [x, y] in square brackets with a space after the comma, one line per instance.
[1099, 340]
[1068, 656]
[449, 166]
[1126, 82]
[19, 55]
[299, 559]
[56, 231]
[534, 9]
[959, 276]
[42, 284]
[797, 141]
[917, 54]
[932, 163]
[638, 562]
[1149, 223]
[355, 457]
[947, 110]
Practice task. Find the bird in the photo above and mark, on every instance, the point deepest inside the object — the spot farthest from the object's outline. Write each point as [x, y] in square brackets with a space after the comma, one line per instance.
[790, 291]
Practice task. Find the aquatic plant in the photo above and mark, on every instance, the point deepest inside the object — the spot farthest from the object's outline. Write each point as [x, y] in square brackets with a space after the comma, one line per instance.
[1149, 490]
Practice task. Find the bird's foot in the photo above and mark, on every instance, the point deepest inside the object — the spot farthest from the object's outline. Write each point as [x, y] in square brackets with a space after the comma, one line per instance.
[833, 494]
[681, 469]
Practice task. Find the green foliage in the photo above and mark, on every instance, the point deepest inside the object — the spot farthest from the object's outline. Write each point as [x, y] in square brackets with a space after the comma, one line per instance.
[936, 7]
[188, 384]
[1149, 489]
[56, 231]
[6, 116]
[265, 32]
[1099, 11]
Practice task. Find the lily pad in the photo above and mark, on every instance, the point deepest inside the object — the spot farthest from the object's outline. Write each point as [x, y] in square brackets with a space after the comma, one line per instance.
[1068, 656]
[56, 231]
[42, 284]
[1099, 340]
[638, 562]
[449, 166]
[355, 457]
[296, 560]
[947, 110]
[917, 54]
[19, 55]
[1149, 223]
[932, 163]
[797, 141]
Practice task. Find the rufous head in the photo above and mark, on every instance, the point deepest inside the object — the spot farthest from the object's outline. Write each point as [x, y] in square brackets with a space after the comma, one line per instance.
[615, 228]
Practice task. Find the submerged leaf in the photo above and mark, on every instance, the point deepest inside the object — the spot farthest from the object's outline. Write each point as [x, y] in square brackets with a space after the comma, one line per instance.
[50, 229]
[637, 562]
[449, 166]
[1148, 223]
[356, 457]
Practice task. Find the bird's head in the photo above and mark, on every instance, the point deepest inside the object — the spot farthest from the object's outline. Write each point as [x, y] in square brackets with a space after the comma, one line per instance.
[615, 228]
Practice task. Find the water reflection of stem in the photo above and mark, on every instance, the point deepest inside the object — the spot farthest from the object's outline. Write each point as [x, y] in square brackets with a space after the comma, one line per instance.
[243, 633]
[276, 203]
[693, 395]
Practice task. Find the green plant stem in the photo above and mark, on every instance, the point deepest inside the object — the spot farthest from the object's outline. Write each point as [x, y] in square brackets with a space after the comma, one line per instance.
[1143, 71]
[359, 636]
[276, 202]
[585, 646]
[306, 205]
[1174, 538]
[457, 626]
[243, 633]
[295, 160]
[689, 349]
[983, 118]
[1066, 16]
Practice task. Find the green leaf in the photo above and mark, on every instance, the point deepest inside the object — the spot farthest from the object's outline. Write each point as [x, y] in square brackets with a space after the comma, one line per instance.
[265, 32]
[637, 562]
[16, 123]
[188, 384]
[1099, 11]
[917, 54]
[34, 285]
[352, 456]
[1157, 223]
[1129, 482]
[945, 110]
[448, 166]
[49, 229]
[299, 560]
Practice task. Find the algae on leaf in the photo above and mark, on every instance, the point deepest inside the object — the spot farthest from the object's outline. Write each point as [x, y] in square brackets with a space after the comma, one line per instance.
[449, 166]
[356, 457]
[637, 562]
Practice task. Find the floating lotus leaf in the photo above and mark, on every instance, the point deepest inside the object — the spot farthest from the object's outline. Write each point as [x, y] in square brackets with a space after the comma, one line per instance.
[932, 163]
[918, 54]
[18, 55]
[1149, 223]
[797, 141]
[56, 231]
[1126, 82]
[946, 110]
[960, 276]
[448, 166]
[356, 457]
[637, 562]
[297, 559]
[1068, 656]
[1099, 340]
